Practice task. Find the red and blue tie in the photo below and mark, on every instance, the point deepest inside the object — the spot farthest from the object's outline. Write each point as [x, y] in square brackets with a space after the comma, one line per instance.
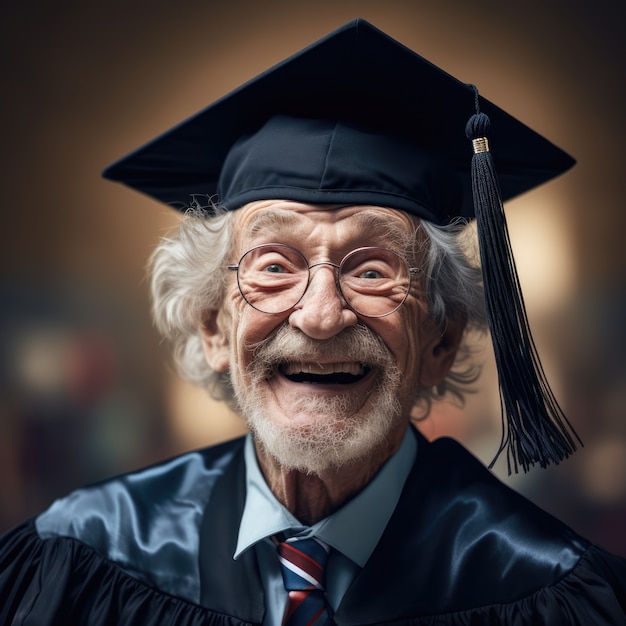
[303, 563]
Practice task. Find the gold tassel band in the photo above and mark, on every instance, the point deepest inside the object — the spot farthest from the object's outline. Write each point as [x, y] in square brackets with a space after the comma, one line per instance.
[480, 144]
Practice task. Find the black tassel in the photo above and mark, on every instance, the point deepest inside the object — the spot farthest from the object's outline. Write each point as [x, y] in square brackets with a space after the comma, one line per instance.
[535, 429]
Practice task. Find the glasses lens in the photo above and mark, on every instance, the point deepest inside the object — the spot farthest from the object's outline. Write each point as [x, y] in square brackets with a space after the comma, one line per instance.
[374, 281]
[272, 278]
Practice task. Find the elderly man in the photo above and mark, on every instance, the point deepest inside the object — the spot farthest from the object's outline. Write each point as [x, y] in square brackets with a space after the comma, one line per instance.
[324, 291]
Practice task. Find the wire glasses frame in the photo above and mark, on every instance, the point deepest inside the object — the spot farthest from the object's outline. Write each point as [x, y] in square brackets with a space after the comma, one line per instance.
[374, 282]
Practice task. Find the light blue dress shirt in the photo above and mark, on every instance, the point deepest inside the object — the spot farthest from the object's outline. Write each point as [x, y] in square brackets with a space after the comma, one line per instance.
[353, 531]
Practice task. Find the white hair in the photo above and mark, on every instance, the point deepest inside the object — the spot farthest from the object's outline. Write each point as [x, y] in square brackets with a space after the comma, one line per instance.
[187, 277]
[188, 272]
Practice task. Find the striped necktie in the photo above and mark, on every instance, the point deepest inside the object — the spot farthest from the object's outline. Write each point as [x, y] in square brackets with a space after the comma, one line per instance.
[302, 563]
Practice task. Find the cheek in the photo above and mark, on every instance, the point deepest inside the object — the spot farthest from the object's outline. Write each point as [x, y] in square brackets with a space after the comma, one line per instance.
[248, 329]
[402, 333]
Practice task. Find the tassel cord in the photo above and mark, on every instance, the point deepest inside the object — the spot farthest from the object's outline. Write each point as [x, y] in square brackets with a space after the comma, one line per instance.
[535, 428]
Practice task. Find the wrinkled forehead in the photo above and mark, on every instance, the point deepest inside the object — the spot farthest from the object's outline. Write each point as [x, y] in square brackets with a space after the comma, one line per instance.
[274, 219]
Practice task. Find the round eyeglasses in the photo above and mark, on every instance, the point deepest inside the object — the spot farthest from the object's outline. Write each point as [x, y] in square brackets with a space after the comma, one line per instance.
[374, 282]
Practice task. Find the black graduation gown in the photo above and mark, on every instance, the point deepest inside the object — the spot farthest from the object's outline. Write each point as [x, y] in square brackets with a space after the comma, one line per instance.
[155, 547]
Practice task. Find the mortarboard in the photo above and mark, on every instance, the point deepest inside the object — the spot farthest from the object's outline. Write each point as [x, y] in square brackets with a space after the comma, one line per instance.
[358, 118]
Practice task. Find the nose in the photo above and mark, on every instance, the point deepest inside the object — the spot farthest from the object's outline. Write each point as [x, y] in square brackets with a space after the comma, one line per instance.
[322, 312]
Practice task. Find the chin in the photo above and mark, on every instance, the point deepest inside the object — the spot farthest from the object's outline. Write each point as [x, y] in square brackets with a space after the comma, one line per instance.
[322, 433]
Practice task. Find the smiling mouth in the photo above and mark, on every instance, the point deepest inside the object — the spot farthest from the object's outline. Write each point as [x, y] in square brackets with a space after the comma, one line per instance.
[325, 373]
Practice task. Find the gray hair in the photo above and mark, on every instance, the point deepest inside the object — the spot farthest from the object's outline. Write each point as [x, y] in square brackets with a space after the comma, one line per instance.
[454, 290]
[188, 278]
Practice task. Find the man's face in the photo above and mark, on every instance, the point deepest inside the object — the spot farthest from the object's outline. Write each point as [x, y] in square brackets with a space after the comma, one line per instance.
[320, 385]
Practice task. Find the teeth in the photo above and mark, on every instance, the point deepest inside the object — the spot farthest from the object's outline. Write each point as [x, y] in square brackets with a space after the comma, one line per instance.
[356, 369]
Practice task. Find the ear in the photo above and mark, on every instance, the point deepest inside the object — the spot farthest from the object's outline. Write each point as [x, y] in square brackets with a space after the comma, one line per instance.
[215, 342]
[440, 352]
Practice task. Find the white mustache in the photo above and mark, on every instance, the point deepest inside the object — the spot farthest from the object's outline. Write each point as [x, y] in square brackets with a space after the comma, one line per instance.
[356, 344]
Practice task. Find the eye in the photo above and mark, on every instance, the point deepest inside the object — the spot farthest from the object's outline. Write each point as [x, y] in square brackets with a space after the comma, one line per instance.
[373, 264]
[371, 274]
[271, 260]
[370, 268]
[272, 264]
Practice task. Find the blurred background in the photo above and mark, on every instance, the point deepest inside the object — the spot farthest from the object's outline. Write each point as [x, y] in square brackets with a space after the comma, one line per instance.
[86, 389]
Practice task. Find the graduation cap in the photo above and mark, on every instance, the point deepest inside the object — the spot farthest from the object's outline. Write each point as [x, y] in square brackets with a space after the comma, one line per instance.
[358, 118]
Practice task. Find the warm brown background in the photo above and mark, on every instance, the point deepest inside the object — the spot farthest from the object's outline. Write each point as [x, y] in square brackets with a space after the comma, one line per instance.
[84, 386]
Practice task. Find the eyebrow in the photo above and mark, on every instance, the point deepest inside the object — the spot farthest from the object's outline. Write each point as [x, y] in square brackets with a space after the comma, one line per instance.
[386, 229]
[270, 219]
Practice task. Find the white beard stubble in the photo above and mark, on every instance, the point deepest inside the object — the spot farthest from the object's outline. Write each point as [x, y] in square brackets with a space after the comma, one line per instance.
[335, 435]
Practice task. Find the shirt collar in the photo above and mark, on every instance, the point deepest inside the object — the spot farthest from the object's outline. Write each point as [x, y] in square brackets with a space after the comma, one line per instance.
[369, 511]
